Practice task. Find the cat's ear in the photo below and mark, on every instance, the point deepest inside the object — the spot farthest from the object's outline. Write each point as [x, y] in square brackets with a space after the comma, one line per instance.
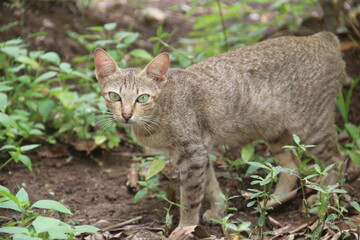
[105, 65]
[158, 68]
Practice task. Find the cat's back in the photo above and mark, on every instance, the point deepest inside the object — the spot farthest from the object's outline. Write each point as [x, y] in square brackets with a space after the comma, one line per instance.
[276, 60]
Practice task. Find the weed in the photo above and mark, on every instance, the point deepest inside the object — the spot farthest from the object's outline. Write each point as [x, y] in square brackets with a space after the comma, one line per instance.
[237, 225]
[263, 196]
[343, 103]
[154, 165]
[33, 226]
[325, 192]
[354, 222]
[17, 154]
[352, 149]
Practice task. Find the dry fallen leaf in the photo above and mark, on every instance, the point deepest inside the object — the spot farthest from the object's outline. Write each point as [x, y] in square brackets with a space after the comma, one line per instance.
[191, 232]
[85, 145]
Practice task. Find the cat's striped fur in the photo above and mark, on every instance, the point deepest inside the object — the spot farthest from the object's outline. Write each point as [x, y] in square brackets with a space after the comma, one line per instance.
[268, 91]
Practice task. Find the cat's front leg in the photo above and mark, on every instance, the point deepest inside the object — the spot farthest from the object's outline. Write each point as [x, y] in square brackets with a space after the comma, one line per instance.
[192, 163]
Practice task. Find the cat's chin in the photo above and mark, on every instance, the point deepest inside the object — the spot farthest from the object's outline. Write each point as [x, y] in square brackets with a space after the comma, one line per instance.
[128, 124]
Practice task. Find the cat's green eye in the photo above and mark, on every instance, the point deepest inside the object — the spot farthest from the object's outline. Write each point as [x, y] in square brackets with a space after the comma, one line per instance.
[143, 98]
[114, 97]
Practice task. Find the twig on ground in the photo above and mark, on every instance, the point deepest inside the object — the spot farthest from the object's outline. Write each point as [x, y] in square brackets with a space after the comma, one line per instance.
[122, 224]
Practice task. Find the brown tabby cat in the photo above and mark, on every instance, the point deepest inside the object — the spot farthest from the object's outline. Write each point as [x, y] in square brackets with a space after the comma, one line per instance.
[269, 91]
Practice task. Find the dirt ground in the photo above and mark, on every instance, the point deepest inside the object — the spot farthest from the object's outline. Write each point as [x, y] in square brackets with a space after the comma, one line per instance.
[94, 186]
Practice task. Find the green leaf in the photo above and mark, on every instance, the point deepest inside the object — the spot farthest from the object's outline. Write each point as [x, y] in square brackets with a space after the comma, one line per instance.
[13, 51]
[8, 147]
[328, 168]
[45, 108]
[55, 228]
[139, 195]
[4, 88]
[22, 195]
[28, 61]
[355, 205]
[340, 103]
[36, 132]
[13, 230]
[296, 139]
[355, 157]
[66, 67]
[127, 37]
[247, 152]
[317, 188]
[317, 168]
[96, 28]
[68, 99]
[29, 147]
[141, 53]
[10, 201]
[5, 189]
[52, 57]
[99, 139]
[250, 204]
[26, 161]
[156, 166]
[9, 204]
[353, 130]
[110, 26]
[159, 30]
[21, 236]
[51, 204]
[3, 101]
[31, 104]
[86, 229]
[7, 121]
[259, 165]
[45, 76]
[261, 220]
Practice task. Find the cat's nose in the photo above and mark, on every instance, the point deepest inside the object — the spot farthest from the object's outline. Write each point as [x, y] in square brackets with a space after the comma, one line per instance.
[126, 116]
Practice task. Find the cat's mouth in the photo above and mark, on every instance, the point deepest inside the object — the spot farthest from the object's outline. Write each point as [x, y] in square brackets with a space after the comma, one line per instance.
[126, 121]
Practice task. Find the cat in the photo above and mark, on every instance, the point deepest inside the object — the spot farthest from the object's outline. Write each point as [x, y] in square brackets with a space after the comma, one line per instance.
[270, 90]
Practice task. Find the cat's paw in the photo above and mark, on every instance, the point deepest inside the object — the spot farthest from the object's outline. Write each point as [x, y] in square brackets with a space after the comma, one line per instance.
[211, 214]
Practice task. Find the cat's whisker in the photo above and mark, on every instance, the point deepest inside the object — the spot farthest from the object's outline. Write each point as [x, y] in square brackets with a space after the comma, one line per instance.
[105, 126]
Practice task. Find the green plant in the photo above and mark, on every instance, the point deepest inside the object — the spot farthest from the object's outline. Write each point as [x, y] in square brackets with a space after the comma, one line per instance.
[17, 154]
[343, 103]
[322, 207]
[34, 226]
[40, 102]
[325, 192]
[154, 165]
[264, 194]
[224, 26]
[354, 222]
[352, 149]
[236, 225]
[180, 57]
[168, 216]
[116, 43]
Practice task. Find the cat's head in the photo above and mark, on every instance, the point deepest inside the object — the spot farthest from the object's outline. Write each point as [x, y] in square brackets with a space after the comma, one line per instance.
[130, 94]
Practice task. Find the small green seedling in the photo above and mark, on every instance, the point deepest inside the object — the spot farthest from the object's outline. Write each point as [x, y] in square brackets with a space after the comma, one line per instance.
[17, 154]
[33, 226]
[237, 225]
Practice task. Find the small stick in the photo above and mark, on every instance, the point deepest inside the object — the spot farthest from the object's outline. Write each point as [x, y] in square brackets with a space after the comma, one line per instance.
[122, 223]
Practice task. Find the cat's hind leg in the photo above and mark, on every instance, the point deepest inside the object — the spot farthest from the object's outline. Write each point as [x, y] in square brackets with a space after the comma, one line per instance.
[212, 194]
